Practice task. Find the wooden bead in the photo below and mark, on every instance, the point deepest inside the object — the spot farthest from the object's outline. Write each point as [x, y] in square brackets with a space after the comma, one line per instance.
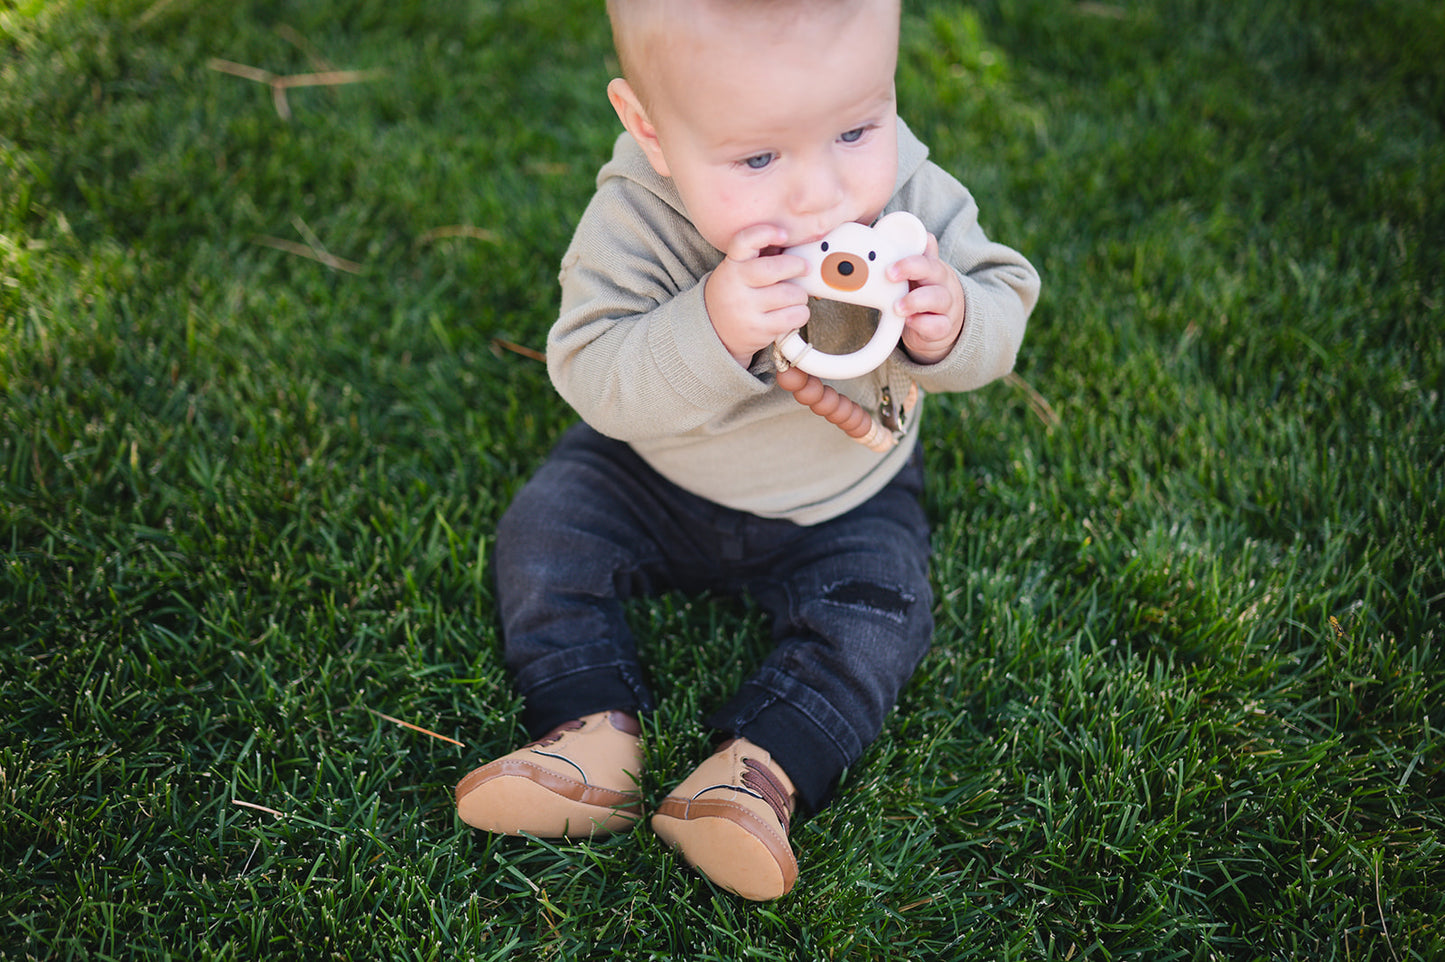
[842, 411]
[811, 392]
[792, 379]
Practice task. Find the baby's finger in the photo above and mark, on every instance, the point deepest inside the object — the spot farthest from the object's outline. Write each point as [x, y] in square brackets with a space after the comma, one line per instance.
[750, 242]
[920, 269]
[785, 320]
[923, 268]
[931, 328]
[777, 295]
[767, 271]
[929, 299]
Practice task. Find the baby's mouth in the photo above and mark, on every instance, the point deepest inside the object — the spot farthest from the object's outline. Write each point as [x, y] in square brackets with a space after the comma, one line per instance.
[770, 251]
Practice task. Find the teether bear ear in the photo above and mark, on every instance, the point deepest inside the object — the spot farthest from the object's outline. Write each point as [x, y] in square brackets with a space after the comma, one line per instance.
[904, 231]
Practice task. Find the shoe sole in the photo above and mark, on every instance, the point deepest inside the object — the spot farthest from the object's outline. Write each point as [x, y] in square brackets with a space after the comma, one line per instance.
[516, 797]
[730, 845]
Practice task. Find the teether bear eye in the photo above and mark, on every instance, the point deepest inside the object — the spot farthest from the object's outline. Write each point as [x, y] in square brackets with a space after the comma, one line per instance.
[844, 272]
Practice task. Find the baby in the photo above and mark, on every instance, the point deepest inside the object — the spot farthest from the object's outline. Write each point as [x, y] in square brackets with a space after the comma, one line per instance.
[751, 126]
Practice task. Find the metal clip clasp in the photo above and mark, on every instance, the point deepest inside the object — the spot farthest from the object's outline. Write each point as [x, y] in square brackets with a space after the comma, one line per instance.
[887, 413]
[895, 417]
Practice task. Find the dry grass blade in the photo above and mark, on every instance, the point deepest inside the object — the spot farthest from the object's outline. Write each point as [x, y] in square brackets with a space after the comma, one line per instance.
[294, 37]
[259, 808]
[457, 230]
[502, 345]
[241, 70]
[1108, 10]
[417, 728]
[279, 84]
[153, 11]
[1037, 402]
[304, 250]
[328, 78]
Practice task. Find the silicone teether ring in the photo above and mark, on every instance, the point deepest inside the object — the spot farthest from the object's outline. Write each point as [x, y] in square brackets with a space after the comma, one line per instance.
[839, 367]
[851, 265]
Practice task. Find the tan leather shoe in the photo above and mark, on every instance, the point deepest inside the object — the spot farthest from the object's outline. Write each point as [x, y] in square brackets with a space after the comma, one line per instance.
[729, 820]
[577, 781]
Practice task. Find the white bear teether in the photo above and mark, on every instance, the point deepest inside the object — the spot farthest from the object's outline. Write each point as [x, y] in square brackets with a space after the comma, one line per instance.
[850, 265]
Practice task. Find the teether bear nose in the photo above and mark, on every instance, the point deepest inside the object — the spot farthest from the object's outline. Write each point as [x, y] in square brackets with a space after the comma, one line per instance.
[844, 272]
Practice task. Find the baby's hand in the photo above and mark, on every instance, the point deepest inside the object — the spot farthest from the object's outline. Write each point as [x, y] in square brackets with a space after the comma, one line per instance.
[933, 308]
[747, 300]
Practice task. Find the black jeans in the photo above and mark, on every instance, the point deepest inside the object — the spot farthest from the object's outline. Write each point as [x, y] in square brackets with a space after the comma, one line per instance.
[850, 601]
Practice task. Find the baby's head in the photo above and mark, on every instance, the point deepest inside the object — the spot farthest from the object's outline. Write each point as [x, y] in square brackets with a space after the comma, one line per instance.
[763, 111]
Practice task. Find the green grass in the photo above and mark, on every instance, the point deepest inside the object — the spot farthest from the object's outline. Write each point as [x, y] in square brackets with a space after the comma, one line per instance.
[1187, 697]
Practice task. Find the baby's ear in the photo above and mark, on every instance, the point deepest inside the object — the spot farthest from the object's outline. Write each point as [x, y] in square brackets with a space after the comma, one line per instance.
[904, 231]
[634, 117]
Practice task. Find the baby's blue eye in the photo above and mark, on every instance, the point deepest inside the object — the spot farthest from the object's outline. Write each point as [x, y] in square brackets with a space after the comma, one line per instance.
[759, 161]
[852, 136]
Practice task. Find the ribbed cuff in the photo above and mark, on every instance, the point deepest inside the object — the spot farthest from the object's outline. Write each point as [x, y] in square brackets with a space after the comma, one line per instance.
[612, 688]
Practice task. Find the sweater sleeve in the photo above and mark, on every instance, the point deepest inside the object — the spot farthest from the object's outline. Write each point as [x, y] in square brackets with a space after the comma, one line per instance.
[633, 350]
[1000, 286]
